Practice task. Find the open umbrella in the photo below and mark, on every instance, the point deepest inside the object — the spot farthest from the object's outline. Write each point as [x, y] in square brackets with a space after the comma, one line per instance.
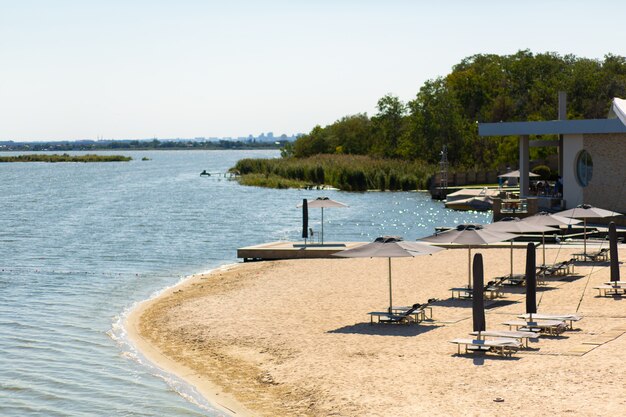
[324, 202]
[389, 247]
[478, 299]
[515, 225]
[544, 218]
[586, 211]
[613, 252]
[470, 235]
[515, 174]
[531, 281]
[305, 220]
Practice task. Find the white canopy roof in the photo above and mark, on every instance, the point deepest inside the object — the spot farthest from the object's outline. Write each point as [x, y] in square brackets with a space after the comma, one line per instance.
[618, 109]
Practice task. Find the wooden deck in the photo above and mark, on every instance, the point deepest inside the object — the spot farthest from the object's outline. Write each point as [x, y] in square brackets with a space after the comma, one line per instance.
[293, 250]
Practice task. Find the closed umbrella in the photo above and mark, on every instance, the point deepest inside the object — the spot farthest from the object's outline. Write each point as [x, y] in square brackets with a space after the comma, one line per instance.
[305, 220]
[478, 299]
[531, 281]
[544, 218]
[324, 202]
[389, 247]
[613, 252]
[470, 235]
[586, 211]
[515, 225]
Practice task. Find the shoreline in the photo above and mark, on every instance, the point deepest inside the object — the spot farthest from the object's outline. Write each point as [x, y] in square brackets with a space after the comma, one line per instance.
[282, 338]
[211, 392]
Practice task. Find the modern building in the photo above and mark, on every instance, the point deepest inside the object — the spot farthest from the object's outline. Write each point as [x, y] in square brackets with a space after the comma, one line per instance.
[592, 155]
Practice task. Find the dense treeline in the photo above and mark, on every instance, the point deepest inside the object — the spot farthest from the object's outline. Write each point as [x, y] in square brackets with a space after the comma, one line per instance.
[134, 145]
[481, 88]
[65, 158]
[350, 173]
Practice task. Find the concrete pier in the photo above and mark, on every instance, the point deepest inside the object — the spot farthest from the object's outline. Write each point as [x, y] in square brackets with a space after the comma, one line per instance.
[293, 250]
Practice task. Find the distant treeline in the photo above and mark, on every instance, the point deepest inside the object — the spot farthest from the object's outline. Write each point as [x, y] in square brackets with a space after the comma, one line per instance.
[350, 173]
[65, 158]
[135, 145]
[481, 88]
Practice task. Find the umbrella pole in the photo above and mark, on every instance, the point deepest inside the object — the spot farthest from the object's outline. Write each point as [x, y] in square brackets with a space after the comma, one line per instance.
[469, 266]
[322, 225]
[511, 258]
[543, 244]
[390, 299]
[585, 236]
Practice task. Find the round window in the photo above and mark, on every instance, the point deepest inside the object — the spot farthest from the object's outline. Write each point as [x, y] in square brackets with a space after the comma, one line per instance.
[584, 168]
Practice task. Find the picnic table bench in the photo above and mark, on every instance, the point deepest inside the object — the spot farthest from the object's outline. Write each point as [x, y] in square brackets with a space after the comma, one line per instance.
[465, 292]
[607, 289]
[502, 347]
[521, 337]
[551, 327]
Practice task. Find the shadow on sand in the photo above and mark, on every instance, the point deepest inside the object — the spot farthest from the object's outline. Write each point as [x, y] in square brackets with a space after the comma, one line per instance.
[379, 329]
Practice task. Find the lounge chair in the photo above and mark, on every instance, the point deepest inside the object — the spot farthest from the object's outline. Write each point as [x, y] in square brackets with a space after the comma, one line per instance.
[412, 315]
[502, 347]
[571, 318]
[601, 255]
[425, 311]
[558, 269]
[551, 327]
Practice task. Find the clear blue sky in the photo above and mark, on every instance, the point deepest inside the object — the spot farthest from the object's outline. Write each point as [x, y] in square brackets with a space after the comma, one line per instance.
[186, 68]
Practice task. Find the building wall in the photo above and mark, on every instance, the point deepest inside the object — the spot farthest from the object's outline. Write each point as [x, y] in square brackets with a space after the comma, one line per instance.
[572, 190]
[607, 188]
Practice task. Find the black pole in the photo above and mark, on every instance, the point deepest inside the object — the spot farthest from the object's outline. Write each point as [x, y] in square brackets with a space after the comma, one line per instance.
[305, 220]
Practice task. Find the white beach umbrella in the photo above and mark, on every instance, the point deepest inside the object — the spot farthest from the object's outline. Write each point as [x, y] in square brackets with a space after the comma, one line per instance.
[470, 235]
[324, 202]
[544, 218]
[516, 225]
[586, 211]
[389, 247]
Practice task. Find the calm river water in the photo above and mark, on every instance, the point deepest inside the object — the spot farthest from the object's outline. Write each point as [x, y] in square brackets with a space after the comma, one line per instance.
[81, 243]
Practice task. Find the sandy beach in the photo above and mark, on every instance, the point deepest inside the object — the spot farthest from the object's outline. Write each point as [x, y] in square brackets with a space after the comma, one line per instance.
[293, 338]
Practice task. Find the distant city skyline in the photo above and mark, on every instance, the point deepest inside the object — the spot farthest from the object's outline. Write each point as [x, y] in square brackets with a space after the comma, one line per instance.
[141, 69]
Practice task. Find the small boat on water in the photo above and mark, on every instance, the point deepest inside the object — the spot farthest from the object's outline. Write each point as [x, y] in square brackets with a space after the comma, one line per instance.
[471, 199]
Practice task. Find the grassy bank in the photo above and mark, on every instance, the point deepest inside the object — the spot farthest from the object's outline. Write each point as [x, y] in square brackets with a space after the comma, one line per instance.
[65, 158]
[345, 172]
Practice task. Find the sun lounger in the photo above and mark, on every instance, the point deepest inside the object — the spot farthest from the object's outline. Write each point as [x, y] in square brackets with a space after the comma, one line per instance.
[557, 269]
[601, 255]
[503, 347]
[551, 327]
[571, 318]
[491, 292]
[504, 334]
[604, 290]
[425, 310]
[412, 315]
